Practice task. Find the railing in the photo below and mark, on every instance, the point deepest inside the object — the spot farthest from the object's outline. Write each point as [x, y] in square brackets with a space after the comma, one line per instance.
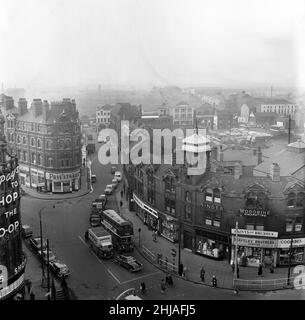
[159, 260]
[272, 284]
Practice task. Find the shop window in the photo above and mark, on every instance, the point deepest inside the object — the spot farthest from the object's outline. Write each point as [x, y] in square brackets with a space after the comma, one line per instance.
[291, 200]
[209, 247]
[289, 225]
[300, 199]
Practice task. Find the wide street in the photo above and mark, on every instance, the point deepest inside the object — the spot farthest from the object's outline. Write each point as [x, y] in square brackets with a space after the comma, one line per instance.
[92, 278]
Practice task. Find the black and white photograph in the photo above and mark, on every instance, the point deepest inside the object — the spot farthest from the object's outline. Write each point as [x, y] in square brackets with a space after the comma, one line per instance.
[152, 150]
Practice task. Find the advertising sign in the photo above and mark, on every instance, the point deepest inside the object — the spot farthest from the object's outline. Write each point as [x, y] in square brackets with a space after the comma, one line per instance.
[285, 243]
[258, 233]
[255, 242]
[254, 212]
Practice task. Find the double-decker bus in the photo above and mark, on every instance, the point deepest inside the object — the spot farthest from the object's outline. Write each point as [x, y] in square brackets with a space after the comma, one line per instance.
[120, 229]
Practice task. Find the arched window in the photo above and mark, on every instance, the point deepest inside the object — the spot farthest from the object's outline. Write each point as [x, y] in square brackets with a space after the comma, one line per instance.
[300, 199]
[49, 144]
[18, 139]
[50, 162]
[61, 144]
[39, 159]
[38, 143]
[32, 142]
[291, 199]
[24, 140]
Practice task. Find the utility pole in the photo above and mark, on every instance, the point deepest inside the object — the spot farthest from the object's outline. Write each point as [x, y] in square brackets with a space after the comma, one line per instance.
[41, 247]
[179, 245]
[235, 255]
[289, 261]
[289, 128]
[48, 269]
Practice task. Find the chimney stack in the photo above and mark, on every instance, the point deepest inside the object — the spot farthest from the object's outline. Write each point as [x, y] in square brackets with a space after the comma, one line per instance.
[36, 107]
[45, 110]
[275, 172]
[22, 106]
[259, 156]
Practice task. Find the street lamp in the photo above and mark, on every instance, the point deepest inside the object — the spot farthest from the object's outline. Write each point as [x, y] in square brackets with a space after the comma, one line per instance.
[236, 249]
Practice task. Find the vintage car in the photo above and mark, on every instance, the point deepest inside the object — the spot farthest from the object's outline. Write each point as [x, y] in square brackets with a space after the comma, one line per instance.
[128, 262]
[59, 269]
[114, 183]
[95, 219]
[26, 231]
[45, 256]
[109, 189]
[118, 176]
[113, 170]
[36, 244]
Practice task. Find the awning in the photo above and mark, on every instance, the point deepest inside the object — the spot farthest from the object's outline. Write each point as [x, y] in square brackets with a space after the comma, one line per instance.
[145, 207]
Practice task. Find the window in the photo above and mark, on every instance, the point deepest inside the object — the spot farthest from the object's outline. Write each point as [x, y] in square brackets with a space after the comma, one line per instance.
[188, 212]
[216, 221]
[39, 159]
[18, 139]
[188, 197]
[289, 225]
[32, 142]
[25, 156]
[49, 144]
[169, 185]
[216, 195]
[33, 158]
[209, 195]
[61, 144]
[291, 200]
[208, 218]
[50, 162]
[298, 224]
[170, 205]
[259, 227]
[151, 197]
[24, 140]
[300, 199]
[251, 199]
[38, 143]
[250, 226]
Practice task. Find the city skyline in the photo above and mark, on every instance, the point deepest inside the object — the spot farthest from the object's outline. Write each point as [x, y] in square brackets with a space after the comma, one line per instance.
[146, 44]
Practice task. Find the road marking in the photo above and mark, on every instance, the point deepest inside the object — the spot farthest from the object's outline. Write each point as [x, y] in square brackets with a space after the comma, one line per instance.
[99, 260]
[144, 276]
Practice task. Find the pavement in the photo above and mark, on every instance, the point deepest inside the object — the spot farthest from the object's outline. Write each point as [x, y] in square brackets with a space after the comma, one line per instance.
[193, 262]
[84, 190]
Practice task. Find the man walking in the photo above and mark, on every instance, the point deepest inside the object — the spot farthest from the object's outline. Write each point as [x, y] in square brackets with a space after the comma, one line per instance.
[202, 274]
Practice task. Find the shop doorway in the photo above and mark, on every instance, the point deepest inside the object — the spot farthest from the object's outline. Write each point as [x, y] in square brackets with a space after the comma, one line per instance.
[187, 240]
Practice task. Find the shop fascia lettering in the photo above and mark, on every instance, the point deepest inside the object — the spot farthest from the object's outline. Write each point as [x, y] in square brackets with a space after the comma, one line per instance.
[4, 200]
[254, 212]
[9, 176]
[62, 176]
[257, 233]
[255, 242]
[285, 243]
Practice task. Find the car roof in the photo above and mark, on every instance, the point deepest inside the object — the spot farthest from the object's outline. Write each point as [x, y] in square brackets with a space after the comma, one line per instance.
[108, 186]
[117, 172]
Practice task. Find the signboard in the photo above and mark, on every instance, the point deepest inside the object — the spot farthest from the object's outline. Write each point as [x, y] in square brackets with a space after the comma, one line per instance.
[254, 212]
[255, 242]
[285, 243]
[258, 233]
[211, 206]
[62, 176]
[5, 291]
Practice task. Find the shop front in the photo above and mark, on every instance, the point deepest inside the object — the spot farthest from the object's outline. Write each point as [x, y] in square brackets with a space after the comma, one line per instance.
[169, 227]
[212, 245]
[148, 215]
[297, 246]
[254, 247]
[63, 182]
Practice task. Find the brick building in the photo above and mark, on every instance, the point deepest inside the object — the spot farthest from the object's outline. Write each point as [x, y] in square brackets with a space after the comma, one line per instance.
[47, 141]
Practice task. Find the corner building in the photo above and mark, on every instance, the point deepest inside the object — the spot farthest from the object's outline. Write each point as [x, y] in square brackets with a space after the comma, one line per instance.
[47, 141]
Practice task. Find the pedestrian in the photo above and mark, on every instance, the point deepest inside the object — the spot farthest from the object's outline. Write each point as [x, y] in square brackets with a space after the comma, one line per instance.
[170, 280]
[214, 282]
[143, 287]
[29, 286]
[185, 273]
[271, 268]
[260, 270]
[163, 286]
[202, 274]
[180, 270]
[32, 296]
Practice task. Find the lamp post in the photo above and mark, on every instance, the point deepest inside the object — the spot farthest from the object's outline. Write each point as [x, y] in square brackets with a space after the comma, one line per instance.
[289, 261]
[236, 250]
[41, 246]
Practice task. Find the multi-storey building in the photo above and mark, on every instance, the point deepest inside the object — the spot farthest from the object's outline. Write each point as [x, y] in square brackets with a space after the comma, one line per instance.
[12, 258]
[267, 198]
[103, 115]
[279, 106]
[47, 141]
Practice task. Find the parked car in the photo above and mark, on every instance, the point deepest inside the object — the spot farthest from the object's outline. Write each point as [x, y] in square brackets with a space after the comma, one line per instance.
[60, 269]
[103, 199]
[93, 178]
[26, 231]
[36, 244]
[128, 262]
[113, 170]
[109, 189]
[45, 256]
[114, 182]
[118, 176]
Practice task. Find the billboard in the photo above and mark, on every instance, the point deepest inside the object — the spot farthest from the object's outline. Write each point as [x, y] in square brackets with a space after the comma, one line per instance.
[12, 258]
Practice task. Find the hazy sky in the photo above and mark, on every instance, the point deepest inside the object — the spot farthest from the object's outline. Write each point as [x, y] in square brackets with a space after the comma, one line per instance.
[151, 42]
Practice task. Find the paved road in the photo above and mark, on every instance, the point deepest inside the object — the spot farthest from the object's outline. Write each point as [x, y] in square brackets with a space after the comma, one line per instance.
[92, 278]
